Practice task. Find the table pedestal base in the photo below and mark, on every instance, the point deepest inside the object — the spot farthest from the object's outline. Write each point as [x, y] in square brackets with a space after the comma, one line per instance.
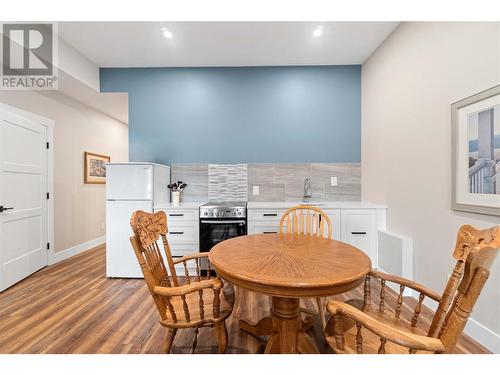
[286, 330]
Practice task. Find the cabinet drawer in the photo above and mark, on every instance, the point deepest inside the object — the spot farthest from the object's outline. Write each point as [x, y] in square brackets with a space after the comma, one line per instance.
[183, 233]
[257, 228]
[273, 215]
[183, 250]
[181, 215]
[358, 229]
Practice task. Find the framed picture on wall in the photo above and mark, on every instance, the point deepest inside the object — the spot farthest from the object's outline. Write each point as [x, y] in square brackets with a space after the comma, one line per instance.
[95, 168]
[476, 153]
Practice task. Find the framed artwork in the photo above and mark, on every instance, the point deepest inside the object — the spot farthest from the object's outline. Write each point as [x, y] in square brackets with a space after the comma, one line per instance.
[475, 129]
[95, 168]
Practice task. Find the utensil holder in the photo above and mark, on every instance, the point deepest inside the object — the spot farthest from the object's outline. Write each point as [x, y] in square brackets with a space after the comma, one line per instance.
[176, 198]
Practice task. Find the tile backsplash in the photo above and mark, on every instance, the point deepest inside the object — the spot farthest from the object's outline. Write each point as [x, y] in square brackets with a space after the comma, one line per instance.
[227, 182]
[196, 176]
[277, 182]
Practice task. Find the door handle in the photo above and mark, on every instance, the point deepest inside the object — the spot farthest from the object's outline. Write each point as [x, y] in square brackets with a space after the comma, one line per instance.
[2, 208]
[270, 215]
[176, 232]
[358, 232]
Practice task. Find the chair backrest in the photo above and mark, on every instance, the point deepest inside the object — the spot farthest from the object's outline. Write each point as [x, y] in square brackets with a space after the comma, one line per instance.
[475, 252]
[148, 230]
[306, 219]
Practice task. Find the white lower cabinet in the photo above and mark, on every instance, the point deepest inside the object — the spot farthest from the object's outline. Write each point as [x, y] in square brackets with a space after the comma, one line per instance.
[260, 221]
[265, 215]
[183, 234]
[358, 228]
[263, 226]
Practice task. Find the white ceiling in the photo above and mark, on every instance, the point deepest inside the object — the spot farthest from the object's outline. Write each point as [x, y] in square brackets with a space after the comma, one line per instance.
[141, 44]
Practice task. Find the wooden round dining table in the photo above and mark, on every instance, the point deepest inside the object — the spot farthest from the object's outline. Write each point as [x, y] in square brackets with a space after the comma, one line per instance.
[288, 267]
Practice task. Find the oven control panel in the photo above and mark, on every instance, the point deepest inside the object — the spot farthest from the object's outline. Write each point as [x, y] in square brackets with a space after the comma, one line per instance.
[222, 212]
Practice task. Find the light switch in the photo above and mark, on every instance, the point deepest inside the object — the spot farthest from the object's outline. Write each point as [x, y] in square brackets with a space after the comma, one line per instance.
[333, 181]
[256, 190]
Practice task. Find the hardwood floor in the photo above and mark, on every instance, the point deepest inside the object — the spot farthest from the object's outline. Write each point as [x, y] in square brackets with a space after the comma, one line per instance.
[72, 307]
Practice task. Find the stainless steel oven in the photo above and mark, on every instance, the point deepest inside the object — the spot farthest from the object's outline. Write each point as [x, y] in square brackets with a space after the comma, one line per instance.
[221, 221]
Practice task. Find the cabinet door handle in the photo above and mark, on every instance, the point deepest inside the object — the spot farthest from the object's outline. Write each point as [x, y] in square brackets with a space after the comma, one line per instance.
[269, 232]
[270, 215]
[175, 214]
[176, 232]
[358, 232]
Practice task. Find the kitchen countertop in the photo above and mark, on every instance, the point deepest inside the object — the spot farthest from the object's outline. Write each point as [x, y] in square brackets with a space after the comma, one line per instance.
[181, 206]
[276, 205]
[285, 205]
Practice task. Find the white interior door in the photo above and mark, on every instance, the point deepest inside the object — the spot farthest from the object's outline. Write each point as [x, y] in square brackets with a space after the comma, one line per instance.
[23, 197]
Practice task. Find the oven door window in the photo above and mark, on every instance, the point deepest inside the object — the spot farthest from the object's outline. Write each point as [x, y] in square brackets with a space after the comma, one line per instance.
[213, 232]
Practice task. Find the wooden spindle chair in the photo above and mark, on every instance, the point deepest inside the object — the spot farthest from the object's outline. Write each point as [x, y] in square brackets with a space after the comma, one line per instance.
[356, 326]
[312, 221]
[183, 302]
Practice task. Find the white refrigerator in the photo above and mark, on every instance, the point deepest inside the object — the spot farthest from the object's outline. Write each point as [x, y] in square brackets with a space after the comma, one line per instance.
[130, 187]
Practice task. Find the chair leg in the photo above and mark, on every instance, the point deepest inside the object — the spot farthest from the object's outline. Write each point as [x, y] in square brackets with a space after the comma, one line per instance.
[221, 333]
[321, 309]
[170, 339]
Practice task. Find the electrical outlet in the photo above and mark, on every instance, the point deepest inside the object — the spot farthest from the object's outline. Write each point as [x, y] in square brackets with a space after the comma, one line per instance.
[102, 227]
[256, 190]
[333, 181]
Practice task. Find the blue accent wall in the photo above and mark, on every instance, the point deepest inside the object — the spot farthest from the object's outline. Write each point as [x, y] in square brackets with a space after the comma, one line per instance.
[299, 114]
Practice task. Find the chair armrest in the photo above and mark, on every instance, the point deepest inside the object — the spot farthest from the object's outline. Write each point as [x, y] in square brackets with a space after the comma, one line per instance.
[215, 284]
[409, 340]
[190, 257]
[408, 283]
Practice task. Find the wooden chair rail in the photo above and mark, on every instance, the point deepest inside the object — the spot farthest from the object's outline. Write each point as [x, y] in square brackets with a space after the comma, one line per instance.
[387, 333]
[186, 258]
[175, 291]
[407, 283]
[403, 283]
[195, 258]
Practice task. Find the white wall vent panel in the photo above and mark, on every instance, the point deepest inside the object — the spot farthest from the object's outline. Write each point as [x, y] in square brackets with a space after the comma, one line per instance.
[395, 256]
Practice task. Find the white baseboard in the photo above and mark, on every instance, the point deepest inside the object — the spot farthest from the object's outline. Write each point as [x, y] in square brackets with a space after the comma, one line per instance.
[55, 257]
[483, 335]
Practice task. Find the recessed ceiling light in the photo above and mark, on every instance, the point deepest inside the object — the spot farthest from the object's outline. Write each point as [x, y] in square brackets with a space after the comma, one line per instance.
[167, 33]
[318, 31]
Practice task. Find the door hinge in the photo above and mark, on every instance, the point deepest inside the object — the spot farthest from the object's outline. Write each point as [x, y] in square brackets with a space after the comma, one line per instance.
[48, 146]
[48, 196]
[48, 246]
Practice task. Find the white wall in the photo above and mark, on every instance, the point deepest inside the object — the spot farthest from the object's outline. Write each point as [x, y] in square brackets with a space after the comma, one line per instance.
[408, 85]
[79, 208]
